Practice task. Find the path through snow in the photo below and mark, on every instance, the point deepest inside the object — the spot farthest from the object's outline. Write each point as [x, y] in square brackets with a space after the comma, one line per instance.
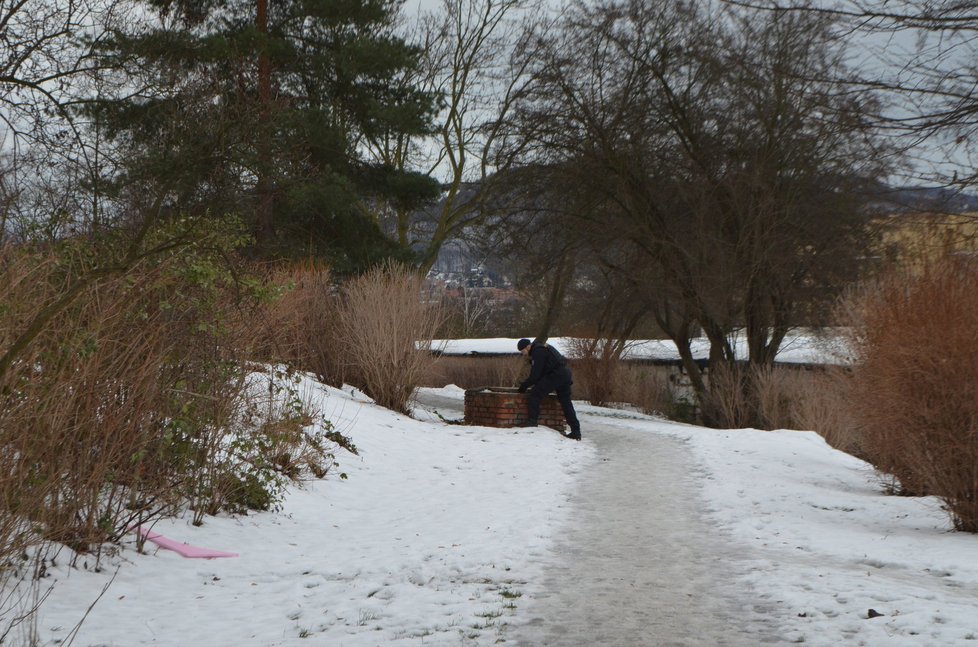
[639, 565]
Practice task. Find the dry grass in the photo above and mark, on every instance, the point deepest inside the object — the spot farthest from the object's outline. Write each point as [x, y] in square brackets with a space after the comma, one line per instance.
[475, 372]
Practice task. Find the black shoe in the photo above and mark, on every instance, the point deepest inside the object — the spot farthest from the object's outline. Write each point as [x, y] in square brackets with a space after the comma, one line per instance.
[574, 435]
[528, 423]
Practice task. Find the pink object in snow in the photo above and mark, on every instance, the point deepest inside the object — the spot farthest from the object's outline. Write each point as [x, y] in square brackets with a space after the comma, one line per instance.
[186, 550]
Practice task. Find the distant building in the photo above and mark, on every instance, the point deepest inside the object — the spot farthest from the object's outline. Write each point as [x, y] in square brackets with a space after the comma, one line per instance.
[911, 240]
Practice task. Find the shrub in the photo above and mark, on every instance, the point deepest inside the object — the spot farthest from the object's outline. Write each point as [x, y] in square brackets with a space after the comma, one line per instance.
[94, 414]
[729, 403]
[298, 324]
[647, 387]
[385, 334]
[774, 389]
[597, 364]
[761, 396]
[272, 440]
[822, 403]
[915, 380]
[128, 397]
[121, 407]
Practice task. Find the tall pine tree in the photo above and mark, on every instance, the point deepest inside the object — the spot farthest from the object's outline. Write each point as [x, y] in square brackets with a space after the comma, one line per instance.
[258, 107]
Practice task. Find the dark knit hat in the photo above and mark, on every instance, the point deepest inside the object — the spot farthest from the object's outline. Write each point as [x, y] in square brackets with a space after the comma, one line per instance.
[523, 343]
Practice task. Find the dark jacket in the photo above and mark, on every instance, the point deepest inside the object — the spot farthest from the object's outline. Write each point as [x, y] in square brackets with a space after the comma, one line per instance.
[545, 360]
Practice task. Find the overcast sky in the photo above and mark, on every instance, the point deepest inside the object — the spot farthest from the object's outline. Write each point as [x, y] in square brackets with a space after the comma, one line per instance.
[411, 7]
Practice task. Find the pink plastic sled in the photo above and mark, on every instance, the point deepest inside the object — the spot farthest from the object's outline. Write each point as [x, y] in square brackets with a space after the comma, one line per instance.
[186, 550]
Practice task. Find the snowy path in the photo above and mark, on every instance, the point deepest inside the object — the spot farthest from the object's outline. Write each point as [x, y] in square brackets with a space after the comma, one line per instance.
[640, 566]
[646, 534]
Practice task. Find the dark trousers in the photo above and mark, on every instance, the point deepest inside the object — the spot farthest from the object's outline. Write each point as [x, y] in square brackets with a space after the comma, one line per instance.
[559, 381]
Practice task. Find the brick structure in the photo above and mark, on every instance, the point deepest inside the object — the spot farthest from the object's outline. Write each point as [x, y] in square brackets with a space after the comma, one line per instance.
[499, 406]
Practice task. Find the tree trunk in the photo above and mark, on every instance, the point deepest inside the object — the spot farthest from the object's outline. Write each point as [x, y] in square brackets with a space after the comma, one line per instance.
[264, 226]
[561, 277]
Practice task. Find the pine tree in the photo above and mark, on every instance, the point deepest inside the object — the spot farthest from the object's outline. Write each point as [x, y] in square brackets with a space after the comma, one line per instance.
[259, 107]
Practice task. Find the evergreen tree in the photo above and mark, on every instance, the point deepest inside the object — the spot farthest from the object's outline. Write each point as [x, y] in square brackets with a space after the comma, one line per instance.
[259, 107]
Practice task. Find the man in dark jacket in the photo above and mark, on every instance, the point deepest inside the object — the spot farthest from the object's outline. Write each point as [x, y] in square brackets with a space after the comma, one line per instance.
[549, 372]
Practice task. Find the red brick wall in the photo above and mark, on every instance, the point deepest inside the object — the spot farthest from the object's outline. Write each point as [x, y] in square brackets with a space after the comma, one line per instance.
[497, 406]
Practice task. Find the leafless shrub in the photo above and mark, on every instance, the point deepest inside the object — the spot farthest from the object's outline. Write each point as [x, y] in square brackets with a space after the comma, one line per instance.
[781, 397]
[131, 403]
[914, 380]
[268, 437]
[597, 364]
[823, 403]
[386, 333]
[761, 396]
[298, 324]
[469, 310]
[775, 389]
[23, 590]
[646, 387]
[728, 404]
[815, 400]
[105, 428]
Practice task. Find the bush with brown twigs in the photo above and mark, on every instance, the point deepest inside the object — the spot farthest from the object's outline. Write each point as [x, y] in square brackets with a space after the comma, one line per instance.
[299, 327]
[821, 402]
[730, 402]
[121, 410]
[385, 334]
[603, 378]
[916, 381]
[646, 387]
[133, 401]
[783, 397]
[597, 364]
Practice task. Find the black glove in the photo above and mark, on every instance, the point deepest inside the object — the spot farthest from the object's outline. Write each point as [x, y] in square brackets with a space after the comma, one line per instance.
[521, 389]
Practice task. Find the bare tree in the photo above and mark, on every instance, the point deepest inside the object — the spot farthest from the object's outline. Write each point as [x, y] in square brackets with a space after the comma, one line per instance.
[40, 59]
[922, 56]
[474, 58]
[709, 144]
[47, 67]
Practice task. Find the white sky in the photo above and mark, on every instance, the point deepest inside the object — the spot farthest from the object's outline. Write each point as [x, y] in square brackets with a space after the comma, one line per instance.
[414, 6]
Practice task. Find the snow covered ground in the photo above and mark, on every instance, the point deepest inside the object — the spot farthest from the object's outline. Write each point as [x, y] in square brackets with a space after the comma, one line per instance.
[441, 532]
[799, 346]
